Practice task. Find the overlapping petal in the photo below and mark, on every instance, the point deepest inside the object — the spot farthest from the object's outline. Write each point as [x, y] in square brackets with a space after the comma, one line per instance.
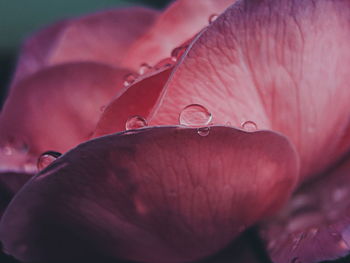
[55, 109]
[165, 194]
[275, 63]
[181, 21]
[102, 37]
[315, 224]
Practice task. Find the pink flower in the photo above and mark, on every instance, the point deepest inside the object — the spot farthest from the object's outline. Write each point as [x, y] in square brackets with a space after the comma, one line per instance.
[173, 162]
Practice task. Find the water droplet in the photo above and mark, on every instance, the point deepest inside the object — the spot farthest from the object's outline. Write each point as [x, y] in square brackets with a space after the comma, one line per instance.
[195, 115]
[144, 68]
[135, 122]
[313, 231]
[228, 123]
[129, 79]
[165, 63]
[296, 260]
[249, 126]
[46, 159]
[204, 131]
[178, 52]
[212, 18]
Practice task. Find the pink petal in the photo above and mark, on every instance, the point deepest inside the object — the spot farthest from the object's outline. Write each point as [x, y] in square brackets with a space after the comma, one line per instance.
[55, 109]
[163, 194]
[315, 224]
[136, 100]
[102, 37]
[180, 22]
[278, 64]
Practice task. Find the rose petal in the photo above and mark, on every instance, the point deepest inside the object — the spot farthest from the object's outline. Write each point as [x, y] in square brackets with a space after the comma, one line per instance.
[315, 224]
[181, 21]
[161, 194]
[136, 100]
[275, 63]
[10, 184]
[55, 109]
[102, 37]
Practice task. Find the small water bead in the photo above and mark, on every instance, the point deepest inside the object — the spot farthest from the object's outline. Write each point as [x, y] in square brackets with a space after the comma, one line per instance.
[129, 79]
[165, 63]
[195, 115]
[204, 131]
[135, 122]
[46, 159]
[249, 126]
[212, 18]
[144, 68]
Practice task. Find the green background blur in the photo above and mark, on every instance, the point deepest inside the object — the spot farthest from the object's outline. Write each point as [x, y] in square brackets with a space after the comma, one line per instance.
[18, 18]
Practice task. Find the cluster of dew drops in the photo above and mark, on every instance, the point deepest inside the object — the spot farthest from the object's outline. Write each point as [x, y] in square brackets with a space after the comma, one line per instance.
[193, 115]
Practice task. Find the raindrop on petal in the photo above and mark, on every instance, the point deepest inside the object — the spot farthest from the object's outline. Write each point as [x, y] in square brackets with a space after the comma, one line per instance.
[212, 18]
[135, 122]
[129, 79]
[228, 123]
[178, 52]
[249, 126]
[144, 68]
[46, 159]
[204, 131]
[195, 115]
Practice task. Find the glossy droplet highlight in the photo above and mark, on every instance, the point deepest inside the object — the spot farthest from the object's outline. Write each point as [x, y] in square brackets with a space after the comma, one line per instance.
[129, 79]
[203, 131]
[135, 122]
[144, 68]
[178, 52]
[212, 18]
[249, 126]
[46, 159]
[195, 115]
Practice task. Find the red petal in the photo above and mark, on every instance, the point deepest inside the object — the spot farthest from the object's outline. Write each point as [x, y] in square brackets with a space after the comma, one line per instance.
[315, 225]
[102, 37]
[163, 194]
[181, 21]
[56, 108]
[275, 63]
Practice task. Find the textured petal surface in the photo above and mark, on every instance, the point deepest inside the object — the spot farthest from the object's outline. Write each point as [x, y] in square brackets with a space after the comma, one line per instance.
[55, 109]
[275, 63]
[180, 22]
[315, 224]
[163, 189]
[102, 37]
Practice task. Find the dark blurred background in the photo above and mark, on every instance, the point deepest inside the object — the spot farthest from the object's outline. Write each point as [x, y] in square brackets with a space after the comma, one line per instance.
[19, 18]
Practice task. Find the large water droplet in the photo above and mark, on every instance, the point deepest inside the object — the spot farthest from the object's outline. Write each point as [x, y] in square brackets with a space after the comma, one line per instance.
[195, 115]
[135, 122]
[129, 79]
[212, 18]
[46, 159]
[178, 52]
[249, 126]
[144, 68]
[204, 131]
